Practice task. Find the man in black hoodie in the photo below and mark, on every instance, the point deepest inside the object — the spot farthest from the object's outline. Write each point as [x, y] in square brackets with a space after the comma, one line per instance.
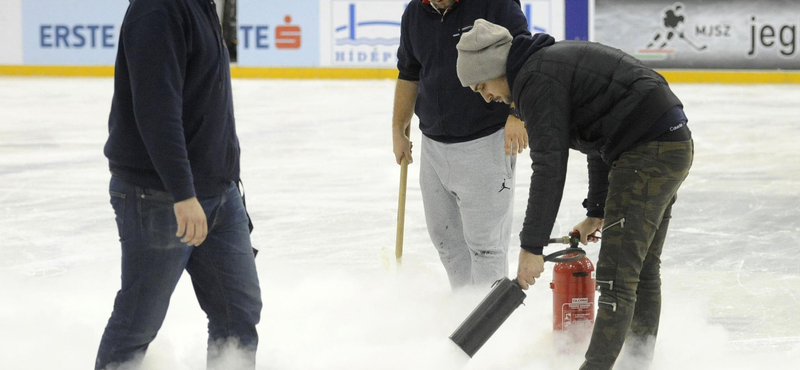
[625, 118]
[174, 159]
[466, 179]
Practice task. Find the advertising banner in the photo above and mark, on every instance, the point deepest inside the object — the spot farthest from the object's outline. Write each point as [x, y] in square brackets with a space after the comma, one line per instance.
[11, 29]
[719, 34]
[278, 33]
[366, 33]
[546, 16]
[71, 32]
[270, 33]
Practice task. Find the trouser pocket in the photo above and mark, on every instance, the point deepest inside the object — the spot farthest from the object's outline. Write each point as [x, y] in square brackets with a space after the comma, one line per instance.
[118, 204]
[157, 219]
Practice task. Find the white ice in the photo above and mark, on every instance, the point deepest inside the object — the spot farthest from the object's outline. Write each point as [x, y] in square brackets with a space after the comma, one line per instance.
[321, 185]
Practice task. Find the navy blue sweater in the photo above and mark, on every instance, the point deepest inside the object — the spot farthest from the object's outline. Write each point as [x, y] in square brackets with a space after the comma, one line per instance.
[171, 125]
[447, 111]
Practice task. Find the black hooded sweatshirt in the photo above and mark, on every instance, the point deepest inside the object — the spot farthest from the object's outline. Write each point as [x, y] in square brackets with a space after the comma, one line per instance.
[584, 96]
[171, 125]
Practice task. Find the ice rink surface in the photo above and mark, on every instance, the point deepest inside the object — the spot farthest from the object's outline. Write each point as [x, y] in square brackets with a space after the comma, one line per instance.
[321, 186]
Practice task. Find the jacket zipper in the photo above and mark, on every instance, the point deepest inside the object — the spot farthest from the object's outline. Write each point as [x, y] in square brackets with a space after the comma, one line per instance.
[212, 6]
[442, 42]
[440, 12]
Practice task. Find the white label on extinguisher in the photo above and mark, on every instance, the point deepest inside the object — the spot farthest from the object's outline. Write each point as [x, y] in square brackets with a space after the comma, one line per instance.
[576, 312]
[594, 275]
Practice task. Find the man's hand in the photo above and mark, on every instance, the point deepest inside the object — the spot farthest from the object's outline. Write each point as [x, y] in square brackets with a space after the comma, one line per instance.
[405, 96]
[587, 228]
[530, 267]
[402, 146]
[516, 136]
[192, 224]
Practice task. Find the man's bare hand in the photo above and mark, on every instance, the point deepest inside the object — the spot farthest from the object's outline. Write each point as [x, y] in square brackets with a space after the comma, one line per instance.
[587, 228]
[192, 224]
[530, 268]
[402, 146]
[516, 136]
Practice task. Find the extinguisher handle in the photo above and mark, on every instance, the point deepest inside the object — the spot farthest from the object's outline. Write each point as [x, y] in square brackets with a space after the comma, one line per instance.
[560, 240]
[573, 239]
[571, 254]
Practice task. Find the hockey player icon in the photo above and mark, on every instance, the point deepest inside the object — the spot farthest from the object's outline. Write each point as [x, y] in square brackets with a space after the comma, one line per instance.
[674, 21]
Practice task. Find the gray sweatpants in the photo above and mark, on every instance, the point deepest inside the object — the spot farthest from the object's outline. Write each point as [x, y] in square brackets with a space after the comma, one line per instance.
[468, 192]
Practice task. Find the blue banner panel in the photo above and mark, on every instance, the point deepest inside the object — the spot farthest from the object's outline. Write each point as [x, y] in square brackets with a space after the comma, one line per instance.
[71, 32]
[278, 33]
[576, 19]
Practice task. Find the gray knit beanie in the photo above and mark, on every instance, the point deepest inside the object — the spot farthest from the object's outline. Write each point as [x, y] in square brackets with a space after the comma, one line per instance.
[482, 53]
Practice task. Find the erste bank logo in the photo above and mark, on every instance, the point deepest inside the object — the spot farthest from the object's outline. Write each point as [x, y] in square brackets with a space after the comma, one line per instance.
[278, 33]
[287, 36]
[366, 32]
[71, 32]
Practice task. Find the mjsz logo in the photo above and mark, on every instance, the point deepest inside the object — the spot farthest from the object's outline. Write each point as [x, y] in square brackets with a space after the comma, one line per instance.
[673, 22]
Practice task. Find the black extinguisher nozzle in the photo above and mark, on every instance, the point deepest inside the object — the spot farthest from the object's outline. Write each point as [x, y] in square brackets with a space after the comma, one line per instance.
[483, 322]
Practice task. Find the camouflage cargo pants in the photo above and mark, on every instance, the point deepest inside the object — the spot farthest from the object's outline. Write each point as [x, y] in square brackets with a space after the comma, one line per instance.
[643, 184]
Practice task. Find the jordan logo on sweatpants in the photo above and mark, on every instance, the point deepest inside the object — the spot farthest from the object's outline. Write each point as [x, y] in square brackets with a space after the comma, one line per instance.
[504, 187]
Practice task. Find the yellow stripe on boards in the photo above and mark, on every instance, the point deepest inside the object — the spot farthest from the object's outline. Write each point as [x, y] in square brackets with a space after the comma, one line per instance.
[731, 77]
[236, 72]
[60, 71]
[314, 73]
[672, 75]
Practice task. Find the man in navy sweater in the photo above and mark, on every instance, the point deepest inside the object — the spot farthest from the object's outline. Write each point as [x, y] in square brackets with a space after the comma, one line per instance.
[174, 159]
[466, 177]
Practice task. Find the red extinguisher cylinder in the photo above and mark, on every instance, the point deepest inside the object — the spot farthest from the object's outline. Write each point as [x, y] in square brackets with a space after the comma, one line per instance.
[573, 294]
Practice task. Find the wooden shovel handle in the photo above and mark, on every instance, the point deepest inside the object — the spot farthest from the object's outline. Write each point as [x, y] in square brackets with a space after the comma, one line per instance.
[401, 204]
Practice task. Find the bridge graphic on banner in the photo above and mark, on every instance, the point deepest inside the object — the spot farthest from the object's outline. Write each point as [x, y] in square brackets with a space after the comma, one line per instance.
[350, 30]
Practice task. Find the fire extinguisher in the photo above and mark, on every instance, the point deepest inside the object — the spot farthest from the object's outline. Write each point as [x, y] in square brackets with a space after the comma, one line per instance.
[505, 297]
[573, 288]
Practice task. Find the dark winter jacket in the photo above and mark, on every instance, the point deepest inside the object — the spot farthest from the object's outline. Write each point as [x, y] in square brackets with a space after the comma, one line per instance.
[447, 111]
[171, 125]
[583, 96]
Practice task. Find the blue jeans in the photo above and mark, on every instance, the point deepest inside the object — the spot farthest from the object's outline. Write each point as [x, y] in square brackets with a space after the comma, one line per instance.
[223, 273]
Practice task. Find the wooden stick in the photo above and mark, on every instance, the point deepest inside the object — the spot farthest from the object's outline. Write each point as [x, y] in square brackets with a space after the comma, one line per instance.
[401, 205]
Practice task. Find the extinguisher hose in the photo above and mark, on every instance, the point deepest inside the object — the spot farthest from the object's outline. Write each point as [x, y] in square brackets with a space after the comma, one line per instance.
[566, 255]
